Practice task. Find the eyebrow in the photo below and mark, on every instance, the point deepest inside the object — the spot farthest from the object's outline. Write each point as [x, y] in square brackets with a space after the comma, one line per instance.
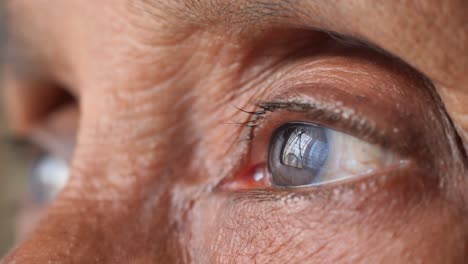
[235, 12]
[245, 15]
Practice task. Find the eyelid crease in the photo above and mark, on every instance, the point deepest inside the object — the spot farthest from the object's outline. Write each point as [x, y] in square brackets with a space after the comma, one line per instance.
[335, 116]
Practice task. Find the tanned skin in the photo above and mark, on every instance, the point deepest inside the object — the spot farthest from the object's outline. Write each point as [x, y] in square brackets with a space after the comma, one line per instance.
[158, 157]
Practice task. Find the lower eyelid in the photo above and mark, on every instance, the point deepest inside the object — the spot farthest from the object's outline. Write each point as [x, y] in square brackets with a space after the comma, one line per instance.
[399, 175]
[383, 173]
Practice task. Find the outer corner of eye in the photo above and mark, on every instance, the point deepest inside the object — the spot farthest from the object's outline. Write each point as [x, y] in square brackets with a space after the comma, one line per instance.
[305, 154]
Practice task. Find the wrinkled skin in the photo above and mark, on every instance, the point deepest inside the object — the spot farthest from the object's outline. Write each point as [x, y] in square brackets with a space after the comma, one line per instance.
[157, 84]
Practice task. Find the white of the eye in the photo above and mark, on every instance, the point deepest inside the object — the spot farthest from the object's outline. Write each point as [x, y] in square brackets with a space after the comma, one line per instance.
[53, 173]
[351, 157]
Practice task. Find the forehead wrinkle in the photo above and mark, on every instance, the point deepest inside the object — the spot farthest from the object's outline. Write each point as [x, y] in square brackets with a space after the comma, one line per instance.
[242, 15]
[365, 20]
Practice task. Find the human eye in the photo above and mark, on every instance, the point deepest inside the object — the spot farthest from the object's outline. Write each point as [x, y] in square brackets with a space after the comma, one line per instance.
[319, 137]
[305, 154]
[47, 177]
[44, 165]
[330, 150]
[297, 145]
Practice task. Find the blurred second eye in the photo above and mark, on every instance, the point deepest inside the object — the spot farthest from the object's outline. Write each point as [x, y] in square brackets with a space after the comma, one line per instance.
[47, 178]
[303, 154]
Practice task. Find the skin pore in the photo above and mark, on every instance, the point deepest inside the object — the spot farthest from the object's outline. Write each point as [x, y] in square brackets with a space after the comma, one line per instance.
[159, 137]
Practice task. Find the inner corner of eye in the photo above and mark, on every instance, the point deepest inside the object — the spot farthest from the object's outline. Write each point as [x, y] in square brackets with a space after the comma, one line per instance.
[305, 154]
[253, 177]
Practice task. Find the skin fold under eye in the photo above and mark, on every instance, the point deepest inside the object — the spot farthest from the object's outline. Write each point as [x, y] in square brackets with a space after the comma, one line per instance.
[303, 154]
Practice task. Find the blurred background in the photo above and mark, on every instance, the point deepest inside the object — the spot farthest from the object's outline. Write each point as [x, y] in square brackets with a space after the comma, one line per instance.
[30, 174]
[13, 172]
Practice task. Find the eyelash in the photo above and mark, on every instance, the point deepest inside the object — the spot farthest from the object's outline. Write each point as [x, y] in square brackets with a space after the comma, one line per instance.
[335, 116]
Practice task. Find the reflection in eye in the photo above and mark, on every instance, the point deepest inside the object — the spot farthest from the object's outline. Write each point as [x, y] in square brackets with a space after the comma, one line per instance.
[309, 155]
[48, 176]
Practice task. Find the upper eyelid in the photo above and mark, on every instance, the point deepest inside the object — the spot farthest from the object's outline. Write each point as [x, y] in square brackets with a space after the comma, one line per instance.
[322, 113]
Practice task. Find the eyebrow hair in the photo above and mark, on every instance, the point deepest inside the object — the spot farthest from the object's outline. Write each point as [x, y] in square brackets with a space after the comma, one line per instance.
[245, 15]
[238, 12]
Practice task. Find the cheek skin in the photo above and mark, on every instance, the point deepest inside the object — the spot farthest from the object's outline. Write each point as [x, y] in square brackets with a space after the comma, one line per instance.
[388, 223]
